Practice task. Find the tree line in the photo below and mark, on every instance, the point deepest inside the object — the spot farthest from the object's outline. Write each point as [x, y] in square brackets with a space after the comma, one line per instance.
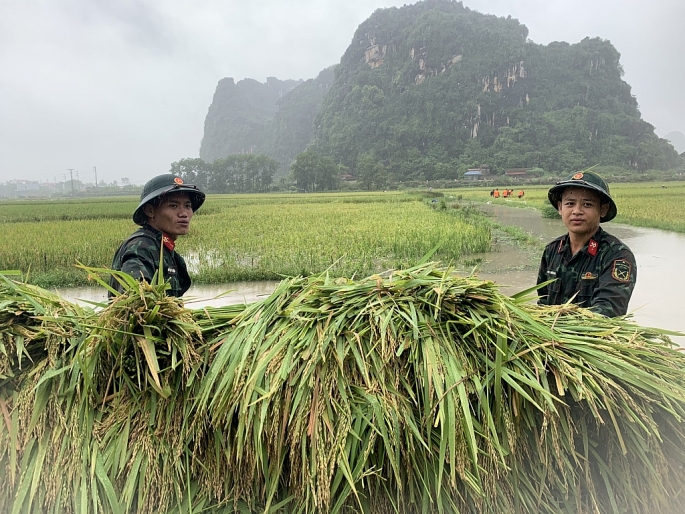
[243, 173]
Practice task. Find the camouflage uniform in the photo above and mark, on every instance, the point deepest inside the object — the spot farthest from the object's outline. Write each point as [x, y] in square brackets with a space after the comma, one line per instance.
[602, 273]
[139, 257]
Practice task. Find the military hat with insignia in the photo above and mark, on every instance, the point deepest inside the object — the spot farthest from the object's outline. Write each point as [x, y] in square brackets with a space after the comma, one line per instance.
[588, 180]
[164, 184]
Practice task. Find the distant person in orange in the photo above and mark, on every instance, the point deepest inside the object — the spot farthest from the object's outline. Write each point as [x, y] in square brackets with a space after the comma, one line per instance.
[505, 193]
[496, 193]
[521, 193]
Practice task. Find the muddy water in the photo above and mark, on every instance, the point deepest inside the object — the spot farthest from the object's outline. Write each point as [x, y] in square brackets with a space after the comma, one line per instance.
[659, 296]
[658, 299]
[195, 298]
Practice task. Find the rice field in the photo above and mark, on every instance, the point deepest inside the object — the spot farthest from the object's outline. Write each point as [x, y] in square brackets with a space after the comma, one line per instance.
[246, 237]
[641, 204]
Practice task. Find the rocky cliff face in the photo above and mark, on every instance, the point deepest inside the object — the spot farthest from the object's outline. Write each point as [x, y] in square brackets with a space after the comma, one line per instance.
[239, 114]
[273, 118]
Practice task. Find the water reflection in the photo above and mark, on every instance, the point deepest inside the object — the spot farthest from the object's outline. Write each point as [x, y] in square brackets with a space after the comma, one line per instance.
[197, 296]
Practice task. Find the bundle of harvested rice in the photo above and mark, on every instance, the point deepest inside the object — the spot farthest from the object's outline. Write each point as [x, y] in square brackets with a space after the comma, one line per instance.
[425, 391]
[417, 391]
[23, 339]
[111, 422]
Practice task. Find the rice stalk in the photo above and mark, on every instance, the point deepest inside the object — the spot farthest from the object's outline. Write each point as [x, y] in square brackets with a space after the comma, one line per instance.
[411, 391]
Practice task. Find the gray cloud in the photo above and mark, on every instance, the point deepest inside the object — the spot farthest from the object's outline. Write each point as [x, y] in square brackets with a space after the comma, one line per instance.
[126, 85]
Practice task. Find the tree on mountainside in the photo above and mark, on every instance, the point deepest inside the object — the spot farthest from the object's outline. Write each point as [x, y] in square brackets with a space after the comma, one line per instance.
[372, 175]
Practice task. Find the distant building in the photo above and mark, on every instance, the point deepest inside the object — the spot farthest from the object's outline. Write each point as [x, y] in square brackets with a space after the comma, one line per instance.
[517, 172]
[473, 174]
[26, 188]
[348, 178]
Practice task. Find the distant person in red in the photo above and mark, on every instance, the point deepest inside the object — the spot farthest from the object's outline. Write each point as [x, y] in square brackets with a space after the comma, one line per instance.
[521, 193]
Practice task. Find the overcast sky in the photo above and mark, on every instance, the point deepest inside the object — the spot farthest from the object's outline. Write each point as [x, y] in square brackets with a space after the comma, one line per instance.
[125, 85]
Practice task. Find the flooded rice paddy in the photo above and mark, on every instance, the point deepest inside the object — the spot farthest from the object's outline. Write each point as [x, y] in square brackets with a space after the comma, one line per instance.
[658, 299]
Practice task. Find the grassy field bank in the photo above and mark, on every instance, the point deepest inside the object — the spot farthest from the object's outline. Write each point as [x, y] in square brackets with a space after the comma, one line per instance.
[640, 204]
[246, 237]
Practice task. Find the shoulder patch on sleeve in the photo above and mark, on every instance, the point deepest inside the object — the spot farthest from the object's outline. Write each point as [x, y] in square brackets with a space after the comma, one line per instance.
[621, 270]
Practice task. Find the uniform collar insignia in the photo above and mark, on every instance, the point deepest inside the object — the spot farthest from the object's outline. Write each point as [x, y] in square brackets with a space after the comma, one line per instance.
[592, 247]
[561, 246]
[169, 243]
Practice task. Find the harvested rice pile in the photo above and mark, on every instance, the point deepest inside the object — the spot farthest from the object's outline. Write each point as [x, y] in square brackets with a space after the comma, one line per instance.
[417, 391]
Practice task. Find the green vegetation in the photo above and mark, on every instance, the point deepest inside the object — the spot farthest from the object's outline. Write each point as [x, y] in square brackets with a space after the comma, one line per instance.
[313, 172]
[246, 237]
[411, 392]
[245, 173]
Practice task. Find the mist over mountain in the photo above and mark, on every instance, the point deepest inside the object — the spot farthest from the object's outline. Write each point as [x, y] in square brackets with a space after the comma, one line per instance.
[238, 114]
[677, 139]
[428, 90]
[275, 118]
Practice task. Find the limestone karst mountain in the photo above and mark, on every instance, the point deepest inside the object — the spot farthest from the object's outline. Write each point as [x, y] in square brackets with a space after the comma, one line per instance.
[430, 89]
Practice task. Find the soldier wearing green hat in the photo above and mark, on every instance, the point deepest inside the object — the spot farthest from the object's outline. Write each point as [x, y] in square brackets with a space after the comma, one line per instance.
[166, 207]
[589, 266]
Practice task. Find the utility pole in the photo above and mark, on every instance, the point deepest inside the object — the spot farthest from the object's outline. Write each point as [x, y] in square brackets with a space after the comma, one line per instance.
[71, 174]
[78, 182]
[95, 170]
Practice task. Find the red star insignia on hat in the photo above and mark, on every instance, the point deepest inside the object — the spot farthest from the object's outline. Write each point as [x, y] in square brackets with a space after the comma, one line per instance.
[577, 176]
[178, 180]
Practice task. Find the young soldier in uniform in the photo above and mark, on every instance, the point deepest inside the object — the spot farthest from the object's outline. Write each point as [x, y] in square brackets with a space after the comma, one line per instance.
[164, 213]
[590, 266]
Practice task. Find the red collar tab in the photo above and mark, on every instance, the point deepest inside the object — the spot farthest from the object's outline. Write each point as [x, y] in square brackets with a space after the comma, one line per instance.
[592, 247]
[169, 243]
[561, 246]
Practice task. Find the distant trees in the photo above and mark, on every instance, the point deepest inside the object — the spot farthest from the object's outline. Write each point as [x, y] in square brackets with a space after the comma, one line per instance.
[314, 172]
[244, 173]
[372, 175]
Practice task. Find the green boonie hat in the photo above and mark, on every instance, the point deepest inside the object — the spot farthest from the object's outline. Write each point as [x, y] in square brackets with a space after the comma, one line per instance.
[588, 180]
[161, 185]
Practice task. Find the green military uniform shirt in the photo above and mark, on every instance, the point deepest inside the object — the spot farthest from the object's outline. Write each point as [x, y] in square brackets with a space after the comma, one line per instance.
[601, 275]
[139, 257]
